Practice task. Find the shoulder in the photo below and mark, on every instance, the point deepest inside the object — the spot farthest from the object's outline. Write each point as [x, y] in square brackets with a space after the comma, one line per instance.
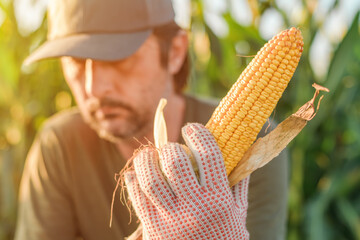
[199, 109]
[55, 143]
[66, 141]
[64, 121]
[66, 126]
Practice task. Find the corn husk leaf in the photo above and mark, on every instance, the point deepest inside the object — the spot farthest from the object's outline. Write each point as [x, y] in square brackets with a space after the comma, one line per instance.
[267, 148]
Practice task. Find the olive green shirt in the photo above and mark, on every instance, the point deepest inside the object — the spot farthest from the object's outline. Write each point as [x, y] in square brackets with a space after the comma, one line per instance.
[68, 182]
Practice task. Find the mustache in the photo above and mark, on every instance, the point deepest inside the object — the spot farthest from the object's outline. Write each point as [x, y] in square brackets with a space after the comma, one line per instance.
[94, 104]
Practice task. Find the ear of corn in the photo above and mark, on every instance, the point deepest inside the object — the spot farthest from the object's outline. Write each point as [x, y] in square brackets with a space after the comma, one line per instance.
[241, 114]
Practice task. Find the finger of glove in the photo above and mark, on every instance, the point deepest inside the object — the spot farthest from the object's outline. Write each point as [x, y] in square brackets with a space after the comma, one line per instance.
[178, 169]
[207, 155]
[240, 192]
[151, 179]
[140, 202]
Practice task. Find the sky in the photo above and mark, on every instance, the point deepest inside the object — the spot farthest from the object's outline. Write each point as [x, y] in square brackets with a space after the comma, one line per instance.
[30, 14]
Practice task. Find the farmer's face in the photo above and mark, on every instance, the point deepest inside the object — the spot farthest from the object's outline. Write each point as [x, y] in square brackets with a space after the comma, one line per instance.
[118, 99]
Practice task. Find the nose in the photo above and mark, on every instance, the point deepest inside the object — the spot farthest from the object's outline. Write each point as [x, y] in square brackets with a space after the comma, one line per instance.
[96, 84]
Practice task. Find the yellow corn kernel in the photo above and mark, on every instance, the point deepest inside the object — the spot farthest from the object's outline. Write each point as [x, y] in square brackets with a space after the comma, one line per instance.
[255, 95]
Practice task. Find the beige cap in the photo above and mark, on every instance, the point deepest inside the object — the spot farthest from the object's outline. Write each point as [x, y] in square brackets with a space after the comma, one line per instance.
[105, 30]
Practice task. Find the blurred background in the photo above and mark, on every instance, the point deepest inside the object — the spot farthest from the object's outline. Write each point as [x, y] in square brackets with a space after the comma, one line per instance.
[324, 198]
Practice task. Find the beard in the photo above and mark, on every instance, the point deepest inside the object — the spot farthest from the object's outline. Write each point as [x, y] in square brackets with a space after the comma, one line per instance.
[123, 122]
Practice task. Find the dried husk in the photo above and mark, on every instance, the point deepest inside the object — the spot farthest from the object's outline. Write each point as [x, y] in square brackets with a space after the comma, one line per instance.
[267, 148]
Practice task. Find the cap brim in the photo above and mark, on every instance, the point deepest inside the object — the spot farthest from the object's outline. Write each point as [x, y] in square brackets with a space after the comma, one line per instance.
[104, 47]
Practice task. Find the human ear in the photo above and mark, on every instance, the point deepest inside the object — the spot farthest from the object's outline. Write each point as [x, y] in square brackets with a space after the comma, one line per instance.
[178, 51]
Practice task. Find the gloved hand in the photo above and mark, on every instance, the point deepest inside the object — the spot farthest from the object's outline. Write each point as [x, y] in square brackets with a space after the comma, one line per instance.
[177, 205]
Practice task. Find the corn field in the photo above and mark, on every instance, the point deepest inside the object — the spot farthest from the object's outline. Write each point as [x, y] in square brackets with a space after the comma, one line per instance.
[324, 195]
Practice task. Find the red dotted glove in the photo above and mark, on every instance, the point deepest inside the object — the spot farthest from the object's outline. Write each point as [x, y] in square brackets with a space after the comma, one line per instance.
[177, 205]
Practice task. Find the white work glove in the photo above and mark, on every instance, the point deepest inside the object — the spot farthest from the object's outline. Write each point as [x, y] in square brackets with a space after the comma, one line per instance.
[178, 206]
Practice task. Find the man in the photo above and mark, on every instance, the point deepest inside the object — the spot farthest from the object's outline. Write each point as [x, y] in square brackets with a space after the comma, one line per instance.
[119, 58]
